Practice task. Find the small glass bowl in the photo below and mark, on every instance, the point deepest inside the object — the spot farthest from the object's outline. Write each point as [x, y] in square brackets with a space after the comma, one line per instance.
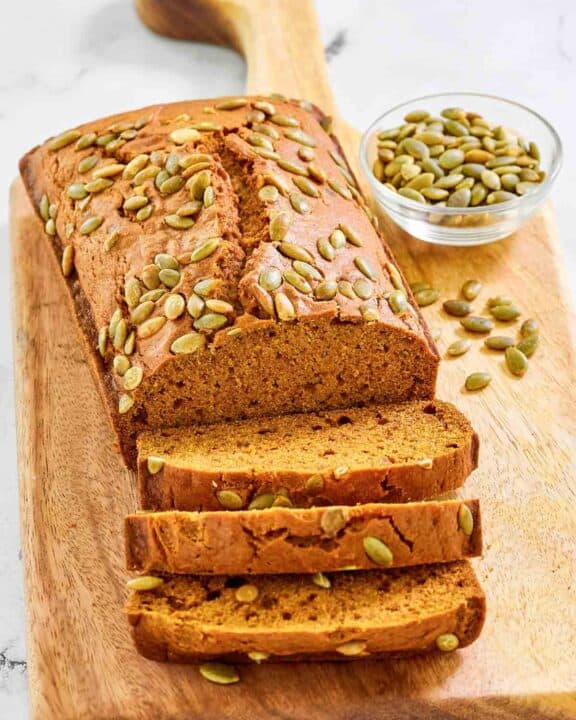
[472, 225]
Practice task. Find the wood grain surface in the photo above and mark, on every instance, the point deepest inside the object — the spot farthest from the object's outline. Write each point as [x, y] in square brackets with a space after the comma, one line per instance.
[75, 490]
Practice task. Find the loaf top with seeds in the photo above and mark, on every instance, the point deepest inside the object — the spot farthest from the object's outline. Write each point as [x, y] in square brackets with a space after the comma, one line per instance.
[183, 229]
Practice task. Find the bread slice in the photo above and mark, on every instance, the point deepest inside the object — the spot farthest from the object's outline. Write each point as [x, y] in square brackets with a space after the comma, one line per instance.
[384, 453]
[362, 614]
[283, 540]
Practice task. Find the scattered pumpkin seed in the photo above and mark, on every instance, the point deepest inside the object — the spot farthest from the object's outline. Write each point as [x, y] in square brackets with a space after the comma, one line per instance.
[321, 580]
[332, 521]
[284, 307]
[498, 342]
[352, 648]
[154, 464]
[219, 673]
[459, 347]
[529, 344]
[262, 502]
[90, 225]
[457, 308]
[246, 593]
[516, 361]
[477, 324]
[505, 313]
[477, 381]
[471, 289]
[426, 297]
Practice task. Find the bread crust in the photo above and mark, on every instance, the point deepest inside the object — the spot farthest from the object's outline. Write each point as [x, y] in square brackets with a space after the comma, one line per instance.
[97, 283]
[283, 540]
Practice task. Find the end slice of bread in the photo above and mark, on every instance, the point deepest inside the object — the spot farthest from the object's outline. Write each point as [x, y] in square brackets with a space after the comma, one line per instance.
[362, 614]
[380, 453]
[318, 539]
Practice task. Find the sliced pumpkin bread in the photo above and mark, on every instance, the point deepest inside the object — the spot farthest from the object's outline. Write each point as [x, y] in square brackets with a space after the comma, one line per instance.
[283, 540]
[289, 617]
[380, 453]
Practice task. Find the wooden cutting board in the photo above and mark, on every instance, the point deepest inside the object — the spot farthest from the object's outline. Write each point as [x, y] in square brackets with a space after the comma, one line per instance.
[75, 490]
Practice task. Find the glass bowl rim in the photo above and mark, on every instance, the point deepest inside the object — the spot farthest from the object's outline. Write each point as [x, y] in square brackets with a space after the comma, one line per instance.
[387, 197]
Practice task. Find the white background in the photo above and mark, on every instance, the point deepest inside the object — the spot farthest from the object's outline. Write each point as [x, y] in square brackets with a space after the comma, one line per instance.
[63, 62]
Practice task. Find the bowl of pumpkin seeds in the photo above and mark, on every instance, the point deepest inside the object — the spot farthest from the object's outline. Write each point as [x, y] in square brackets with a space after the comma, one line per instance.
[460, 168]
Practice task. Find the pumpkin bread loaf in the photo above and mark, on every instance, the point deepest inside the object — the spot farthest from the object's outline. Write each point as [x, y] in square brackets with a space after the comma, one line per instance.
[386, 453]
[223, 264]
[286, 540]
[297, 617]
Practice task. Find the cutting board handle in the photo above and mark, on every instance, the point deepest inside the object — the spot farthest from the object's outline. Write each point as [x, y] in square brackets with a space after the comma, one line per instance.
[279, 39]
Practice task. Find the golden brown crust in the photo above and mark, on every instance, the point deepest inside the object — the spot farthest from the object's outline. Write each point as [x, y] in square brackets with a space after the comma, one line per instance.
[373, 454]
[285, 540]
[397, 611]
[110, 247]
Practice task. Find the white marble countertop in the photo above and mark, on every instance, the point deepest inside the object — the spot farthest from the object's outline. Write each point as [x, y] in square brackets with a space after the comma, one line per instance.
[65, 62]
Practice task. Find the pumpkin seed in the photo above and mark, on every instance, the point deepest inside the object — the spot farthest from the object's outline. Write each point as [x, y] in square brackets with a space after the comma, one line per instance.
[459, 347]
[151, 327]
[491, 180]
[284, 307]
[133, 377]
[338, 239]
[363, 289]
[351, 648]
[205, 249]
[210, 321]
[314, 484]
[297, 281]
[477, 381]
[529, 327]
[144, 583]
[102, 340]
[306, 186]
[246, 593]
[85, 141]
[262, 141]
[321, 581]
[120, 364]
[154, 464]
[229, 499]
[332, 521]
[346, 289]
[284, 120]
[499, 300]
[198, 183]
[416, 116]
[451, 159]
[174, 306]
[459, 198]
[306, 154]
[434, 193]
[426, 297]
[195, 306]
[105, 139]
[307, 270]
[219, 673]
[465, 519]
[299, 203]
[188, 344]
[262, 502]
[270, 278]
[265, 106]
[125, 403]
[77, 191]
[325, 249]
[90, 225]
[516, 361]
[299, 136]
[326, 290]
[471, 289]
[66, 138]
[529, 344]
[142, 312]
[499, 196]
[365, 267]
[153, 295]
[96, 186]
[268, 194]
[377, 551]
[192, 207]
[448, 182]
[477, 324]
[135, 202]
[416, 148]
[457, 308]
[351, 235]
[316, 173]
[178, 222]
[68, 260]
[295, 252]
[411, 194]
[169, 277]
[505, 313]
[369, 312]
[398, 302]
[294, 168]
[498, 342]
[418, 286]
[130, 343]
[342, 190]
[279, 226]
[448, 642]
[219, 306]
[150, 277]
